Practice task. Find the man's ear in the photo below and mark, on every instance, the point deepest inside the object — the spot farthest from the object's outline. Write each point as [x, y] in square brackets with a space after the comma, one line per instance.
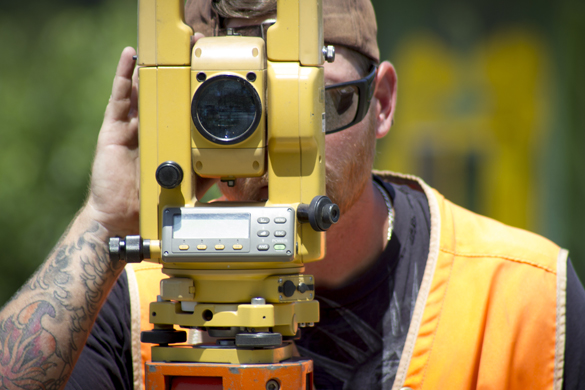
[385, 98]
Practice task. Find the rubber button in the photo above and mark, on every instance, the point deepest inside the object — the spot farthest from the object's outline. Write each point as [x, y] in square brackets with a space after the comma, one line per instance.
[183, 247]
[279, 247]
[263, 220]
[280, 220]
[279, 233]
[263, 247]
[202, 247]
[237, 247]
[263, 233]
[219, 247]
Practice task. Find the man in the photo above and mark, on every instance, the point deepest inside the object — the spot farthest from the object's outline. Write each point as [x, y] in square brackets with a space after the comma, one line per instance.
[414, 291]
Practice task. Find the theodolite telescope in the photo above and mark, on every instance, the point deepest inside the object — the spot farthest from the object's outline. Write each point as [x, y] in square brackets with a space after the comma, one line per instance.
[231, 107]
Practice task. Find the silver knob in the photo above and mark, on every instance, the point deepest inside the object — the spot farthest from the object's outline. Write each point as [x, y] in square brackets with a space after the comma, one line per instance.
[329, 53]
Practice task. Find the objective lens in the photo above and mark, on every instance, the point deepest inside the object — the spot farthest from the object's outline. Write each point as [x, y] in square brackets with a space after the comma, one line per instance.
[226, 109]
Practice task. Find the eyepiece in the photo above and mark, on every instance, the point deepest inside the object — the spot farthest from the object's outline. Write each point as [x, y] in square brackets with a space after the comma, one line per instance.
[321, 213]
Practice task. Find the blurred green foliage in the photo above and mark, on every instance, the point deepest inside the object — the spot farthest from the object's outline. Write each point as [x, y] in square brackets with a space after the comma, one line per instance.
[57, 66]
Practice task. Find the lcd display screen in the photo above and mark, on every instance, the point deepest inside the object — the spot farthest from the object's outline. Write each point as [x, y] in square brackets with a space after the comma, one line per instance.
[211, 225]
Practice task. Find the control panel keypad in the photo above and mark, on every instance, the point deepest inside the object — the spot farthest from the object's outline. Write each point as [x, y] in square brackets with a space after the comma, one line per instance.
[268, 235]
[273, 233]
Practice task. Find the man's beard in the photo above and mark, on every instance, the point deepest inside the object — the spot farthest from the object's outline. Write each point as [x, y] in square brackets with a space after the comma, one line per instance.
[347, 171]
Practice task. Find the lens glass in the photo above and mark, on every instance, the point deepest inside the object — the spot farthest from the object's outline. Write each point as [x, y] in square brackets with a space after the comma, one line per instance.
[226, 109]
[341, 106]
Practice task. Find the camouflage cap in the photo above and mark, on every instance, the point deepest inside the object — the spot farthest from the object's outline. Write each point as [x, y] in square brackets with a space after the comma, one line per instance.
[349, 23]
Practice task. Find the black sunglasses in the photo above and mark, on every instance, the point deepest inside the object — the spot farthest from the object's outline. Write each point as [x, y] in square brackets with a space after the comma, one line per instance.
[347, 103]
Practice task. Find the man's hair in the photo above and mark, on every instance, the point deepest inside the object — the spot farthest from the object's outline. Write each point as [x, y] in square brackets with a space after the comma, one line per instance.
[243, 8]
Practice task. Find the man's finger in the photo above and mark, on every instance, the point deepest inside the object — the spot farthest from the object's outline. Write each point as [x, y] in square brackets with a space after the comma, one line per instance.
[195, 37]
[119, 104]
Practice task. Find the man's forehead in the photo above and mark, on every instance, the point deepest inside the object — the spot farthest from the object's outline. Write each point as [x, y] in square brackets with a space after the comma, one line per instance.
[241, 22]
[351, 23]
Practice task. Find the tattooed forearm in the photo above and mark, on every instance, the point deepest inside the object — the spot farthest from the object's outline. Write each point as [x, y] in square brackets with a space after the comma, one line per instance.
[44, 327]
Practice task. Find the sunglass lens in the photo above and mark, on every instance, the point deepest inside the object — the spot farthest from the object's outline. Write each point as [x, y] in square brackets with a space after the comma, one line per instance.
[341, 105]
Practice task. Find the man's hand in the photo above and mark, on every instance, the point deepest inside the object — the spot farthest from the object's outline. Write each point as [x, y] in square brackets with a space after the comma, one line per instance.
[113, 199]
[51, 316]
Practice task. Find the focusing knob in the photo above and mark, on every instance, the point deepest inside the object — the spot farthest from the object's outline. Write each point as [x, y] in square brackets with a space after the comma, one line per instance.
[321, 213]
[169, 175]
[132, 249]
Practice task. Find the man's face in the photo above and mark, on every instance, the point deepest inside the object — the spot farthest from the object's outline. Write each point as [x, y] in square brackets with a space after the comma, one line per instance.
[349, 154]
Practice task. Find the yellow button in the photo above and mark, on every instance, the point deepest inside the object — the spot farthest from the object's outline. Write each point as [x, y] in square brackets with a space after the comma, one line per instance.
[237, 247]
[202, 247]
[219, 247]
[183, 247]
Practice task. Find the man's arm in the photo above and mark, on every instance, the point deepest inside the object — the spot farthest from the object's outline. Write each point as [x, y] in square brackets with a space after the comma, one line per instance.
[45, 325]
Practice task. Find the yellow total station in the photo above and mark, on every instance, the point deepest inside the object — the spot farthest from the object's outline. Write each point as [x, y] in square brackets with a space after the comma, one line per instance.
[231, 107]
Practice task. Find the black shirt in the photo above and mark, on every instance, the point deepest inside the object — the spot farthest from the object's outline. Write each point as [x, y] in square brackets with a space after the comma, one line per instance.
[106, 360]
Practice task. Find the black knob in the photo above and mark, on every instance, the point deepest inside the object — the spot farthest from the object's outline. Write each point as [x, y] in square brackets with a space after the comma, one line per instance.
[132, 249]
[169, 175]
[303, 288]
[288, 289]
[321, 213]
[163, 336]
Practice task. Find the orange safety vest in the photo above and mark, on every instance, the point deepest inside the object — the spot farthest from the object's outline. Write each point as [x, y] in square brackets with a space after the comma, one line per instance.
[490, 313]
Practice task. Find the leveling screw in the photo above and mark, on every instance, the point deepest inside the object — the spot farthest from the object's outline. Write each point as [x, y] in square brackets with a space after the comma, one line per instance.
[272, 385]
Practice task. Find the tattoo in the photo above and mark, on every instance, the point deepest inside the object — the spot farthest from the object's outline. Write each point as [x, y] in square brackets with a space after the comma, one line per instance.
[39, 344]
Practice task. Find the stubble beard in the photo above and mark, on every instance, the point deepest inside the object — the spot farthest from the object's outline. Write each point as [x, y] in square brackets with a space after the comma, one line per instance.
[349, 170]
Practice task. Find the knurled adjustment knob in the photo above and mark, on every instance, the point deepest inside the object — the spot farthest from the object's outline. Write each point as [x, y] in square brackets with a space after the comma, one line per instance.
[163, 336]
[258, 340]
[132, 249]
[169, 175]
